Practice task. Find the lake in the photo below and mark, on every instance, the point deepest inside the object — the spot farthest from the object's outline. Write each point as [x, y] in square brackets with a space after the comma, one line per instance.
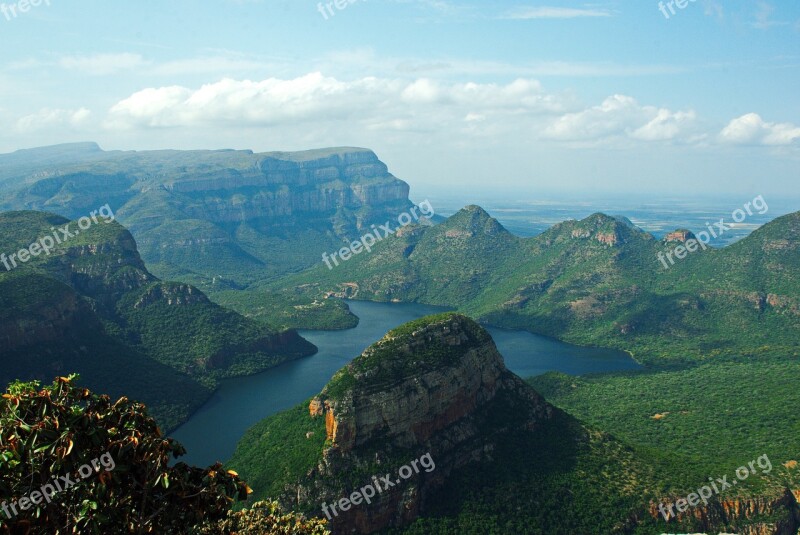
[212, 433]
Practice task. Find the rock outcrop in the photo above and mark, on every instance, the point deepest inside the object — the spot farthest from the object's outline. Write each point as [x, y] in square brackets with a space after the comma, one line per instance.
[782, 512]
[680, 235]
[435, 386]
[282, 185]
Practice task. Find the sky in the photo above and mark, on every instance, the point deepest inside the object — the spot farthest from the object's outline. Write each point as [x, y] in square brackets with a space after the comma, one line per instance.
[516, 99]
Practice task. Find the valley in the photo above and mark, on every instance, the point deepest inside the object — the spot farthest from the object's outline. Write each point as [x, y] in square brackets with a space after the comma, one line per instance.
[242, 402]
[424, 267]
[633, 373]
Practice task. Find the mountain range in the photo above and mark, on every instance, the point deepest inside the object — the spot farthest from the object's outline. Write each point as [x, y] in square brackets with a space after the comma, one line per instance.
[597, 281]
[216, 219]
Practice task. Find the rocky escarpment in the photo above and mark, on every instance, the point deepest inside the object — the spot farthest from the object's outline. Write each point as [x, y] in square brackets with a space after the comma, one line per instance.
[106, 269]
[206, 213]
[171, 294]
[281, 185]
[435, 386]
[217, 186]
[780, 514]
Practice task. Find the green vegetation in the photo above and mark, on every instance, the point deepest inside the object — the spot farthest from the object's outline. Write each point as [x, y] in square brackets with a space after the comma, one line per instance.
[266, 518]
[279, 449]
[380, 363]
[215, 341]
[92, 307]
[698, 422]
[60, 429]
[559, 479]
[55, 430]
[288, 308]
[592, 282]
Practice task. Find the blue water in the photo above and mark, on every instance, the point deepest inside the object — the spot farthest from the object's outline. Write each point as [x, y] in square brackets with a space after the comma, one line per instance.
[213, 431]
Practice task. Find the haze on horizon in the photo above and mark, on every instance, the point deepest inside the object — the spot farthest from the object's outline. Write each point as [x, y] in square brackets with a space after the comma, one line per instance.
[530, 97]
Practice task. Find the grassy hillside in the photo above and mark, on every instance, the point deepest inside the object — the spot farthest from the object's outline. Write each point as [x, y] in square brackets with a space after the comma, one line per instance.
[90, 306]
[680, 418]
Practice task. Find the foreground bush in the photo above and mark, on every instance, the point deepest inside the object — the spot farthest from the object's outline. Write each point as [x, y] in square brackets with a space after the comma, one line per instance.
[266, 518]
[75, 462]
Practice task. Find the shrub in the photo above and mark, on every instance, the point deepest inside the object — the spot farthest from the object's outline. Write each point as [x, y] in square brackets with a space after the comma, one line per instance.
[50, 432]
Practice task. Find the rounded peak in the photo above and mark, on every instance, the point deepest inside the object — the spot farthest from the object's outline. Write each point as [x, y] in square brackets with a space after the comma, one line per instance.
[474, 220]
[429, 343]
[609, 230]
[474, 208]
[601, 218]
[444, 323]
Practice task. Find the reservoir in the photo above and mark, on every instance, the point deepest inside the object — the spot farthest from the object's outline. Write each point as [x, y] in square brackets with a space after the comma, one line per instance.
[211, 434]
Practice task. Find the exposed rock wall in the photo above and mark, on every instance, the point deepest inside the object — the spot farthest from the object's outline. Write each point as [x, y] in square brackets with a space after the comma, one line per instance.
[739, 515]
[445, 410]
[282, 186]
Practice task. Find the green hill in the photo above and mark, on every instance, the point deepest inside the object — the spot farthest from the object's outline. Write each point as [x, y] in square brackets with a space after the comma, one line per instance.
[90, 306]
[597, 281]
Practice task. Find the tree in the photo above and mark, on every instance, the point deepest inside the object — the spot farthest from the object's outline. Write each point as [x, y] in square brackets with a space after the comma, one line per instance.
[75, 462]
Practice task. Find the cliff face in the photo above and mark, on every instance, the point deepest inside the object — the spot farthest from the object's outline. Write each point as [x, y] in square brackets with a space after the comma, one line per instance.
[739, 514]
[104, 270]
[283, 185]
[680, 235]
[202, 213]
[440, 388]
[409, 409]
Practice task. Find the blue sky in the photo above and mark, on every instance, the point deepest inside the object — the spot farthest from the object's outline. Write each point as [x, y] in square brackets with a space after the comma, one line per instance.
[526, 98]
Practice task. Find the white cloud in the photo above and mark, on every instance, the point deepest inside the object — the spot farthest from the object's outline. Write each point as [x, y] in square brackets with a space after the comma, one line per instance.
[751, 129]
[622, 116]
[48, 118]
[418, 105]
[548, 12]
[103, 64]
[665, 125]
[314, 108]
